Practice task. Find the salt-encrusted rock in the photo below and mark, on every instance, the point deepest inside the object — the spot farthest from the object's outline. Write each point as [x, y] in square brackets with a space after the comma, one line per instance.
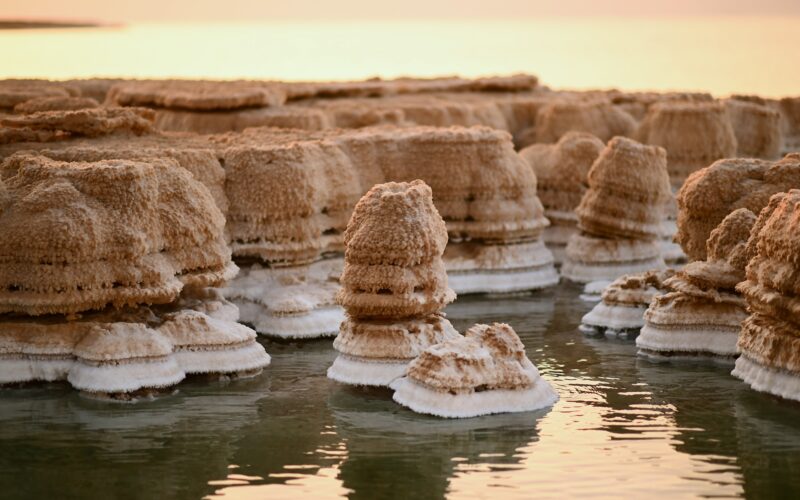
[620, 312]
[757, 128]
[561, 172]
[484, 372]
[769, 342]
[55, 103]
[393, 285]
[620, 215]
[597, 117]
[17, 91]
[701, 314]
[44, 126]
[694, 134]
[712, 193]
[105, 275]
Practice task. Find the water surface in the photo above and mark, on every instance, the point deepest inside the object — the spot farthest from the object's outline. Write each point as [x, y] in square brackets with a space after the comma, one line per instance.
[623, 427]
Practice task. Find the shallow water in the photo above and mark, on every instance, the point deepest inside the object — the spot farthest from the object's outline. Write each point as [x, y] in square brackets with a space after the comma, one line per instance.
[722, 55]
[623, 427]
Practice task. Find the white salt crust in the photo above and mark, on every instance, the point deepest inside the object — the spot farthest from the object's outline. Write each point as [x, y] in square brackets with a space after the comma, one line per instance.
[653, 341]
[593, 291]
[317, 323]
[581, 272]
[244, 358]
[617, 316]
[128, 376]
[503, 281]
[421, 399]
[361, 371]
[764, 379]
[40, 369]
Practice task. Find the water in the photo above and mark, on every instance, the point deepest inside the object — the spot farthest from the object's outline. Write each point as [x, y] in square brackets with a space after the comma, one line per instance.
[722, 55]
[623, 427]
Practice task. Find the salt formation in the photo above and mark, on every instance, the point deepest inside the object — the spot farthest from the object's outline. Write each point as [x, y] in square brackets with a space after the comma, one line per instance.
[790, 123]
[44, 126]
[561, 171]
[55, 103]
[620, 215]
[393, 285]
[769, 341]
[484, 372]
[701, 314]
[695, 134]
[597, 117]
[714, 192]
[107, 272]
[757, 128]
[620, 312]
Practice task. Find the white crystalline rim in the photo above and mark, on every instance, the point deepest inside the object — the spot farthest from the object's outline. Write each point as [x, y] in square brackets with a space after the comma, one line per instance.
[360, 371]
[615, 316]
[239, 359]
[424, 400]
[769, 380]
[317, 323]
[688, 340]
[40, 369]
[126, 377]
[502, 281]
[585, 273]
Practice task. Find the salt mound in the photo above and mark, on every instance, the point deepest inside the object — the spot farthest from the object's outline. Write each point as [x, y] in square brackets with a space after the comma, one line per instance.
[620, 215]
[45, 126]
[393, 285]
[561, 171]
[712, 193]
[599, 118]
[484, 372]
[623, 304]
[701, 314]
[55, 103]
[695, 134]
[100, 262]
[769, 341]
[757, 128]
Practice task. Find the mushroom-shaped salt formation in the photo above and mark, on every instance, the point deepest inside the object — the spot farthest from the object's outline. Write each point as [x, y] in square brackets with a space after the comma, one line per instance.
[394, 284]
[701, 314]
[757, 128]
[561, 171]
[484, 372]
[769, 342]
[106, 271]
[620, 312]
[597, 117]
[620, 215]
[695, 134]
[713, 192]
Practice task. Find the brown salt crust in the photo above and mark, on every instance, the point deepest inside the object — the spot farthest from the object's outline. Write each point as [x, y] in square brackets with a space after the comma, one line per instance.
[393, 258]
[390, 340]
[712, 193]
[55, 103]
[599, 118]
[677, 309]
[92, 122]
[790, 122]
[628, 186]
[757, 128]
[463, 365]
[633, 288]
[82, 235]
[637, 104]
[593, 250]
[16, 91]
[197, 94]
[96, 88]
[562, 168]
[771, 343]
[694, 134]
[774, 245]
[726, 254]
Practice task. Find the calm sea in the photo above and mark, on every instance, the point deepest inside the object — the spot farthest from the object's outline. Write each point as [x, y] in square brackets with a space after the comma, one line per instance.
[720, 55]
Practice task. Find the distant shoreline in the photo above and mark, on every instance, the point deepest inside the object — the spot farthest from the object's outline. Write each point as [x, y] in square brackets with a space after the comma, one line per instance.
[24, 25]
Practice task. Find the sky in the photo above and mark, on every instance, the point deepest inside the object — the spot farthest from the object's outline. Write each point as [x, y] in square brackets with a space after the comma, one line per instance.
[247, 10]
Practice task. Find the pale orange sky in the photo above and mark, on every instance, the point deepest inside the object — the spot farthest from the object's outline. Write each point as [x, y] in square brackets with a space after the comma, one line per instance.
[228, 10]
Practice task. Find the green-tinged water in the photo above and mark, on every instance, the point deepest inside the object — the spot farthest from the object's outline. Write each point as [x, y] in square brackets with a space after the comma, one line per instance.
[623, 427]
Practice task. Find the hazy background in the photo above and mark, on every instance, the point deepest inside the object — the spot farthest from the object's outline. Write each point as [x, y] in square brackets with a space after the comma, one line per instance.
[228, 10]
